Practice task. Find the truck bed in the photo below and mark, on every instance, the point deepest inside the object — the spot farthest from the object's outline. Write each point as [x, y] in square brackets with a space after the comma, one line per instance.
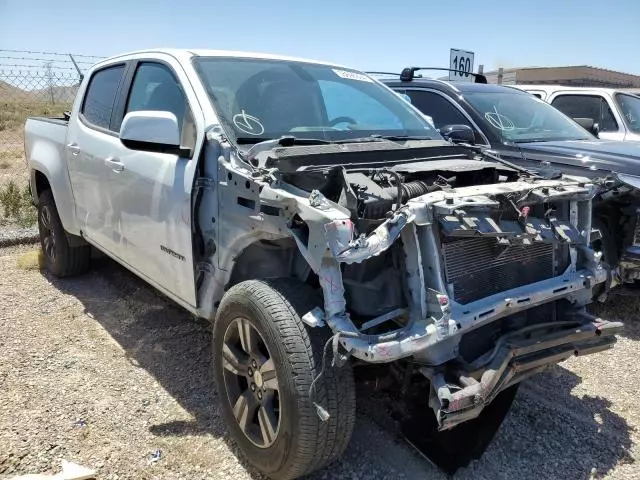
[55, 120]
[47, 133]
[44, 143]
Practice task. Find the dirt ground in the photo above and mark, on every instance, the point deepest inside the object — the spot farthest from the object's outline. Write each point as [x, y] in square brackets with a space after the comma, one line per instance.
[102, 371]
[12, 164]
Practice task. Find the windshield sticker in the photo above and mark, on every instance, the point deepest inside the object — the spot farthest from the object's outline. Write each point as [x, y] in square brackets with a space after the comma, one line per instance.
[352, 75]
[499, 121]
[248, 123]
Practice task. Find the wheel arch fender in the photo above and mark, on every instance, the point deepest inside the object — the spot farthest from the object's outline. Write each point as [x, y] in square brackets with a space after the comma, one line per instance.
[262, 259]
[48, 171]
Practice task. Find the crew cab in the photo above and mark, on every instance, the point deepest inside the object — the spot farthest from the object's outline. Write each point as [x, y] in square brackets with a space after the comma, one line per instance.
[322, 225]
[525, 130]
[615, 112]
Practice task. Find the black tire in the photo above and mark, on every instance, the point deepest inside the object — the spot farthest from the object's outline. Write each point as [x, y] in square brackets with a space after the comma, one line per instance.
[303, 443]
[61, 259]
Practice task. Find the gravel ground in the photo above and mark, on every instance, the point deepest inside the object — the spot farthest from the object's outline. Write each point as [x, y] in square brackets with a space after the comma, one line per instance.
[102, 371]
[12, 235]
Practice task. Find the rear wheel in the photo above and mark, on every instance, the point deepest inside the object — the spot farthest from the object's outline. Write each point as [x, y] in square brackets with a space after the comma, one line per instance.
[265, 360]
[61, 259]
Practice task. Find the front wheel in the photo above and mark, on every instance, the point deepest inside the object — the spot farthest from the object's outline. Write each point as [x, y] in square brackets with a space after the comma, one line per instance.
[265, 360]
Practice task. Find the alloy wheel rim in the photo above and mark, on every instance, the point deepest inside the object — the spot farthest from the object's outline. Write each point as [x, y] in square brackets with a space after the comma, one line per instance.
[48, 237]
[251, 383]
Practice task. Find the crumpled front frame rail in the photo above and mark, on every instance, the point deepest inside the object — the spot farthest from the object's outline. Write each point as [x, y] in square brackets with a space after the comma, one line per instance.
[434, 330]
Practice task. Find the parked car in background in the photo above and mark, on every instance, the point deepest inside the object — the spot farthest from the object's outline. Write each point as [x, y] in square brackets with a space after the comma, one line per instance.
[320, 223]
[616, 112]
[525, 130]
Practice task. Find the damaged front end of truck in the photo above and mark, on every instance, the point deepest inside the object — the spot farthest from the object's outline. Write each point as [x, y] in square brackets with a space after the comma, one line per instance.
[463, 275]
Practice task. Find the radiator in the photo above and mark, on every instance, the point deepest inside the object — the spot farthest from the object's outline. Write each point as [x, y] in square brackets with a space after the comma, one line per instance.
[480, 267]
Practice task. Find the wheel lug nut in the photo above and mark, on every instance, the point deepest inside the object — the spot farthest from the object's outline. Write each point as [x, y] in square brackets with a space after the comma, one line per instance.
[253, 387]
[264, 389]
[250, 372]
[254, 364]
[260, 395]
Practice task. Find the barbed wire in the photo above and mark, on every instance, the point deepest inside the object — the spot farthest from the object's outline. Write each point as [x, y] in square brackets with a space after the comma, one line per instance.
[56, 67]
[33, 59]
[49, 53]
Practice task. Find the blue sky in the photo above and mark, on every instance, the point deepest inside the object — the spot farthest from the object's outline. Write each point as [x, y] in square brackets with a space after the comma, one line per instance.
[371, 35]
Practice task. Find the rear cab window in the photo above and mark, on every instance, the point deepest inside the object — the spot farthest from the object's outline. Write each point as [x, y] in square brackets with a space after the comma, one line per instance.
[100, 97]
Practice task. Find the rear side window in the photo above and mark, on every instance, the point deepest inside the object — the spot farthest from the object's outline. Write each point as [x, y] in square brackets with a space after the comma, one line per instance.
[101, 95]
[587, 106]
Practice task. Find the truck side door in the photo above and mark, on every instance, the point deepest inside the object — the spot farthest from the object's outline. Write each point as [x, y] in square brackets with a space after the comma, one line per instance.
[91, 141]
[591, 105]
[151, 192]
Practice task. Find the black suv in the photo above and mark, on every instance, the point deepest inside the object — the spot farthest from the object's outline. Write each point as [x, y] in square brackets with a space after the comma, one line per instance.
[524, 130]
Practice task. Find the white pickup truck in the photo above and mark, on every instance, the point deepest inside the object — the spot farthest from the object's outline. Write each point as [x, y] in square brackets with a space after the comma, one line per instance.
[610, 113]
[321, 224]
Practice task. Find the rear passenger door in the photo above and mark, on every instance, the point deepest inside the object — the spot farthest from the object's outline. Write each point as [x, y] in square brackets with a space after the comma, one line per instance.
[92, 139]
[593, 106]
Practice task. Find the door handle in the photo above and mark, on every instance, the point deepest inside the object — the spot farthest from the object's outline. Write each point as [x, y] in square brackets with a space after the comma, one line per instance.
[114, 164]
[74, 149]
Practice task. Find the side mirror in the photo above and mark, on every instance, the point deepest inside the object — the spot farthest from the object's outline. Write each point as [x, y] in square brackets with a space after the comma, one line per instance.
[458, 134]
[152, 131]
[588, 124]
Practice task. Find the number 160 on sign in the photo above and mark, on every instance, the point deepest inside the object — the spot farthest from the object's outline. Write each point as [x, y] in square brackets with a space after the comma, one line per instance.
[461, 65]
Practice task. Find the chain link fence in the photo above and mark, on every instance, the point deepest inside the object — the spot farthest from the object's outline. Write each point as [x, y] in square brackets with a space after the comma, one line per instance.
[31, 84]
[36, 83]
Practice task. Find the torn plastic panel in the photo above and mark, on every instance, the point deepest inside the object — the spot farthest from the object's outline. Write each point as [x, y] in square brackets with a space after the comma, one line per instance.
[516, 355]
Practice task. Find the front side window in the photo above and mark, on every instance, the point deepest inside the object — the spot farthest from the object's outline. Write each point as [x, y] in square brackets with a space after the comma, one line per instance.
[520, 117]
[156, 88]
[259, 99]
[587, 106]
[101, 95]
[630, 108]
[442, 111]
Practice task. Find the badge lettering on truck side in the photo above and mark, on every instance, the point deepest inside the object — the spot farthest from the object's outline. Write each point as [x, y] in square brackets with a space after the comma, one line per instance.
[172, 253]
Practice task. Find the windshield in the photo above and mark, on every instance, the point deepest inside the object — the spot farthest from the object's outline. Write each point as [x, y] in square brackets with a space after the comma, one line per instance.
[520, 118]
[630, 107]
[259, 99]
